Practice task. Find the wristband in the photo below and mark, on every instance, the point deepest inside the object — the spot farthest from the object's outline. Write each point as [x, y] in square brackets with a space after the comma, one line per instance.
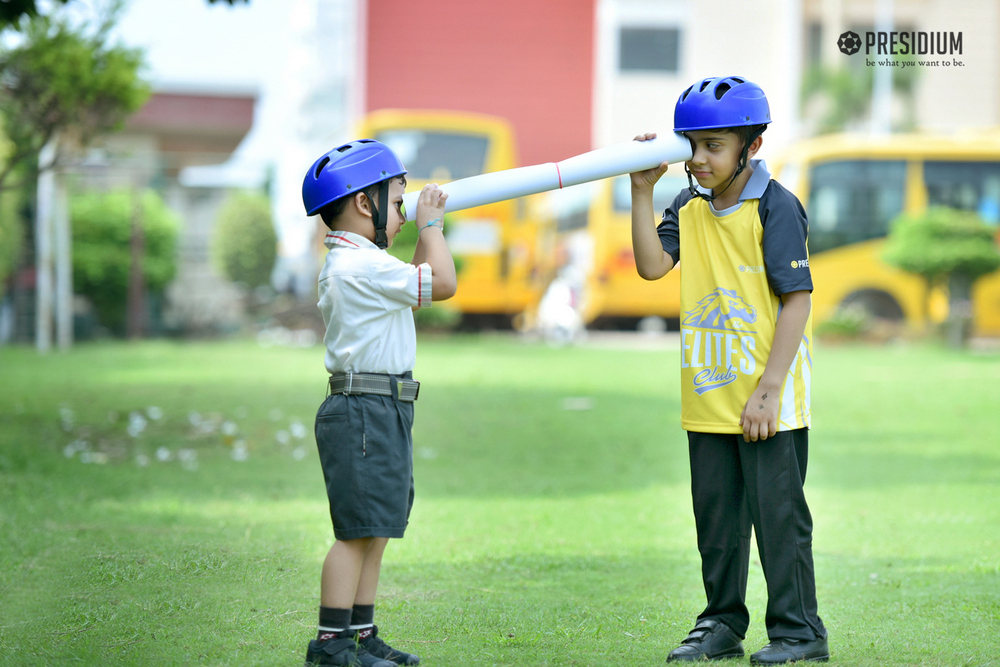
[436, 222]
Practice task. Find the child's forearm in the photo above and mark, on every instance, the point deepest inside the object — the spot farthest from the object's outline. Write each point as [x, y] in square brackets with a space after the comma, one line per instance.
[433, 250]
[788, 332]
[650, 259]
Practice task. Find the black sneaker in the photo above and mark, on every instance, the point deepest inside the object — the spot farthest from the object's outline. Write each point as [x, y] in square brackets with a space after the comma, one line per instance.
[342, 651]
[709, 640]
[368, 639]
[781, 651]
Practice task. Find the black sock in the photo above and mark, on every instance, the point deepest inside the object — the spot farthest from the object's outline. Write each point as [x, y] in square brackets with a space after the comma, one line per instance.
[363, 614]
[332, 621]
[363, 619]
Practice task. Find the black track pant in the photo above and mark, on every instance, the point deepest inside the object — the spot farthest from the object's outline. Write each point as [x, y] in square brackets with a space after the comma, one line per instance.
[736, 485]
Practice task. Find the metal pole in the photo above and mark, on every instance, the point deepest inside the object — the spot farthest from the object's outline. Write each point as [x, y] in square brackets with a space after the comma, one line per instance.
[45, 194]
[64, 264]
[882, 81]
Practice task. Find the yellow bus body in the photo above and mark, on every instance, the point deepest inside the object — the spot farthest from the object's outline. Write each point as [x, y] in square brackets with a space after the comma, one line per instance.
[841, 179]
[505, 252]
[614, 287]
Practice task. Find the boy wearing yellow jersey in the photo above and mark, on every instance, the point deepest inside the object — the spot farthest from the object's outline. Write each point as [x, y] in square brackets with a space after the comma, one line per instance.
[746, 360]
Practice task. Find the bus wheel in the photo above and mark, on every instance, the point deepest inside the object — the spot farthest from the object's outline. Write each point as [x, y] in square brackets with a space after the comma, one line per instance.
[876, 304]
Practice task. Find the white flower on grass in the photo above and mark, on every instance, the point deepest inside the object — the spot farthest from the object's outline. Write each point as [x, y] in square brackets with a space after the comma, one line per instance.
[163, 454]
[427, 453]
[141, 460]
[76, 446]
[154, 413]
[188, 458]
[580, 403]
[240, 451]
[136, 424]
[299, 453]
[66, 417]
[229, 428]
[283, 437]
[194, 418]
[297, 429]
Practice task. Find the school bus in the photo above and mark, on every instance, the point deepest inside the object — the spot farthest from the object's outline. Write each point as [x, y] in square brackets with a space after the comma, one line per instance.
[853, 187]
[504, 251]
[595, 239]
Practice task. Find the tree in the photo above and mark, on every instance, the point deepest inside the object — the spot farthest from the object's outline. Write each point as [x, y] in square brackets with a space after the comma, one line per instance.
[63, 81]
[945, 246]
[843, 95]
[102, 232]
[245, 243]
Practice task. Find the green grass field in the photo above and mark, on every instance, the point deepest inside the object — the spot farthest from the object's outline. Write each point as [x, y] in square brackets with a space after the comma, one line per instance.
[162, 504]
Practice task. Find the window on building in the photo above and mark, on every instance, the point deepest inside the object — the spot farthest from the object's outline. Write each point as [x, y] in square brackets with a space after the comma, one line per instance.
[649, 50]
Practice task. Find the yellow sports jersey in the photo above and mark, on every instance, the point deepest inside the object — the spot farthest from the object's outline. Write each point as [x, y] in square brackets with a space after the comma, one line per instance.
[736, 264]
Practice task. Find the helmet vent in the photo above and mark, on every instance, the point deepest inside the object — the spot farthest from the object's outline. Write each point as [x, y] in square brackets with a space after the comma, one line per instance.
[319, 166]
[721, 90]
[686, 93]
[704, 85]
[344, 148]
[737, 79]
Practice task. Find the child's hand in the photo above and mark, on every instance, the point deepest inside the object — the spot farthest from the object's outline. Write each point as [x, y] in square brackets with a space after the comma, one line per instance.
[647, 179]
[759, 418]
[430, 204]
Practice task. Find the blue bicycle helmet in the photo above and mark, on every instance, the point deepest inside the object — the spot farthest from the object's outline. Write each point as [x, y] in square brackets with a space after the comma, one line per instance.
[722, 102]
[727, 101]
[349, 169]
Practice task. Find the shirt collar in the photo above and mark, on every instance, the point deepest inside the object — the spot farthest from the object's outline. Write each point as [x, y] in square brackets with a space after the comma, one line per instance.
[347, 240]
[754, 188]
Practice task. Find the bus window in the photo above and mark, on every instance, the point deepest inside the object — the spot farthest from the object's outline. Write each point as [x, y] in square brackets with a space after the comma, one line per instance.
[970, 186]
[437, 156]
[853, 201]
[664, 192]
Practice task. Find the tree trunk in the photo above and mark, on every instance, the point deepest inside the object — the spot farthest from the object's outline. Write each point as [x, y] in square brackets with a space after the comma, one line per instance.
[958, 326]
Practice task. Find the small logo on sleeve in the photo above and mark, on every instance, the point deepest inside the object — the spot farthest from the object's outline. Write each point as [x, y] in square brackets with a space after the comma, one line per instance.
[800, 263]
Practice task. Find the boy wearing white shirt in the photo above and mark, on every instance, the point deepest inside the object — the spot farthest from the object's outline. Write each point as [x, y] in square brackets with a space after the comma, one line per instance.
[363, 428]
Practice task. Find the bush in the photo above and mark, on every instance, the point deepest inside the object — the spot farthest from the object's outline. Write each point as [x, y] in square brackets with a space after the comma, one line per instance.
[11, 235]
[245, 244]
[102, 232]
[945, 245]
[942, 242]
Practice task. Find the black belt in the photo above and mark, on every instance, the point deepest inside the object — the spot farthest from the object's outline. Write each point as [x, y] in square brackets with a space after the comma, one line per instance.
[374, 383]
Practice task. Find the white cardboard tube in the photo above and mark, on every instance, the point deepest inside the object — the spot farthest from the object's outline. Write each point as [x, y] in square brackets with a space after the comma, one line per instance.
[601, 163]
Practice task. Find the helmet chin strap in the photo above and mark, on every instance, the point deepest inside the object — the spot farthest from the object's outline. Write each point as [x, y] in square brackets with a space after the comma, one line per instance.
[381, 214]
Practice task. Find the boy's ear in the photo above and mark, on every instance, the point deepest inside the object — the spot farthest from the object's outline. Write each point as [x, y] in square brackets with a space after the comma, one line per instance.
[754, 147]
[363, 204]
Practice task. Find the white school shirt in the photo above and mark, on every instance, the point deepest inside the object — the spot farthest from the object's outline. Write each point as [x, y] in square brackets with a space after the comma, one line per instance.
[366, 296]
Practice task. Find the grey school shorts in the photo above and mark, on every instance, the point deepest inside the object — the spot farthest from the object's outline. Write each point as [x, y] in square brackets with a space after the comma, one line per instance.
[366, 450]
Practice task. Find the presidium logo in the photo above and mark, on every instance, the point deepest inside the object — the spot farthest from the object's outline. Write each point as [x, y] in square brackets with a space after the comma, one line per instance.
[920, 48]
[849, 43]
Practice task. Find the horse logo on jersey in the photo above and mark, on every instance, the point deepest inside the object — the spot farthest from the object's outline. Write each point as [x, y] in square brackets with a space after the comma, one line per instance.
[722, 309]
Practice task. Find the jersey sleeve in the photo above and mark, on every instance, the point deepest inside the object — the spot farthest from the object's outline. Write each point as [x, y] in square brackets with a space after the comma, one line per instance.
[786, 231]
[669, 227]
[401, 285]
